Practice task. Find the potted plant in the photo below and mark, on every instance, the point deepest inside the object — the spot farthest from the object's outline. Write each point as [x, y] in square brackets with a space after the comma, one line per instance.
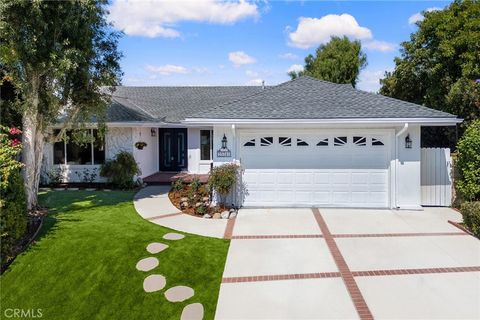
[140, 145]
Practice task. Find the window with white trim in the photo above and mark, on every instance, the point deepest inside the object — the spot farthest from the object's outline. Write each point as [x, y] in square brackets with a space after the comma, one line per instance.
[285, 141]
[70, 152]
[301, 143]
[206, 144]
[323, 143]
[249, 143]
[360, 141]
[266, 141]
[376, 142]
[339, 141]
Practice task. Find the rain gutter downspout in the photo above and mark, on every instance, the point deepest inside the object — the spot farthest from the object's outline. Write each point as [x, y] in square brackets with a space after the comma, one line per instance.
[398, 134]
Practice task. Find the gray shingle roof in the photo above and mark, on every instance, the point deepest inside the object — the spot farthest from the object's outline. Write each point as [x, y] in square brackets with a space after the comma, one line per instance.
[170, 104]
[310, 98]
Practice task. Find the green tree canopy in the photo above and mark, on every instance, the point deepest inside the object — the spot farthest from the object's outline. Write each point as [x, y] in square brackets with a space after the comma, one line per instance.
[339, 61]
[58, 55]
[440, 66]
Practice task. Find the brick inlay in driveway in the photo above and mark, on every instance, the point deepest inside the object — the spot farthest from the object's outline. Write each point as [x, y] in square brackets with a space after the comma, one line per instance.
[277, 277]
[386, 235]
[278, 236]
[394, 272]
[347, 276]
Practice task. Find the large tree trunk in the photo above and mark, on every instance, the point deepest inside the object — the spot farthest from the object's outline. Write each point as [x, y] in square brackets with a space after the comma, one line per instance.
[32, 141]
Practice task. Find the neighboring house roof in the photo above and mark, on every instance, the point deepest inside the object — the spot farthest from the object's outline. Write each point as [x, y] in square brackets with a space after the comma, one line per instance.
[310, 98]
[170, 104]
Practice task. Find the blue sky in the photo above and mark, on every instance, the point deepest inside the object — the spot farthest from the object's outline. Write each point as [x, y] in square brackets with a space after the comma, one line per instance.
[211, 42]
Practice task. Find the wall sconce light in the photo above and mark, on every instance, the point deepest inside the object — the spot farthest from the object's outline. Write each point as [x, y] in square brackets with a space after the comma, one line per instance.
[224, 142]
[153, 132]
[408, 142]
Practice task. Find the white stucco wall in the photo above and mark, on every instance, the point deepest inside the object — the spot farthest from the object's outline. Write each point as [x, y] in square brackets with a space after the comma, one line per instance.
[218, 133]
[118, 139]
[195, 165]
[408, 191]
[147, 158]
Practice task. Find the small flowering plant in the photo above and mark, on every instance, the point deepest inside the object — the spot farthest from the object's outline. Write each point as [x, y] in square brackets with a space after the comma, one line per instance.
[10, 147]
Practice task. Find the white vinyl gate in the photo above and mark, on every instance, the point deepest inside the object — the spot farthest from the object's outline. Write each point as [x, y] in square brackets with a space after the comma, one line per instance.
[436, 177]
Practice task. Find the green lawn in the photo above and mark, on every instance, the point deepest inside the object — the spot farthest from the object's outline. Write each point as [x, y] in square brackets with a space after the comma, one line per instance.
[83, 263]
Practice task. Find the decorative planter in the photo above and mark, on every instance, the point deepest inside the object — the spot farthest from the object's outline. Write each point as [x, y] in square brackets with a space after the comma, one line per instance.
[140, 145]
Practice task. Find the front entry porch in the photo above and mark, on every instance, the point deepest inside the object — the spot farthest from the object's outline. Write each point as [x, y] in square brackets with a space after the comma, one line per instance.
[160, 178]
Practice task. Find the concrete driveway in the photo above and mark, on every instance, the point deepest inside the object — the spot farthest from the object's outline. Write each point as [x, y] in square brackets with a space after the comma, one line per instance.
[350, 264]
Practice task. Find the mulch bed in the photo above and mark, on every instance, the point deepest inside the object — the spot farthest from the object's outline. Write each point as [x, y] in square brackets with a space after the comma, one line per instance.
[175, 197]
[35, 222]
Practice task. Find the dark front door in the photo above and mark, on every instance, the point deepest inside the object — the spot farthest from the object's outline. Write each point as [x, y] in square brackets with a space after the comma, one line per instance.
[173, 149]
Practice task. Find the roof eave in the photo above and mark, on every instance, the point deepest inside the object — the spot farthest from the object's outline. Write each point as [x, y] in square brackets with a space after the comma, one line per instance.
[449, 121]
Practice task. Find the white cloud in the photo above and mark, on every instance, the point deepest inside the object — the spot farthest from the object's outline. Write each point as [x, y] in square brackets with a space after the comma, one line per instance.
[251, 73]
[288, 56]
[239, 58]
[312, 31]
[255, 82]
[295, 68]
[414, 18]
[167, 69]
[375, 45]
[156, 18]
[369, 80]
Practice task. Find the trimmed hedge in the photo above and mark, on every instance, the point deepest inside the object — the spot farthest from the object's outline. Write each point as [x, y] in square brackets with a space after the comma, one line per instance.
[468, 163]
[471, 216]
[13, 215]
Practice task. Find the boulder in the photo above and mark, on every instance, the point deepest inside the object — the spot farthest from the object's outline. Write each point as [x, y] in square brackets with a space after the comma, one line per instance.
[207, 216]
[233, 214]
[217, 215]
[184, 199]
[225, 214]
[198, 204]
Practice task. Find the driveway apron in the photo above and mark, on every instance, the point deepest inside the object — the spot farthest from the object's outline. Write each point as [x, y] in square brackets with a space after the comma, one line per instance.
[301, 263]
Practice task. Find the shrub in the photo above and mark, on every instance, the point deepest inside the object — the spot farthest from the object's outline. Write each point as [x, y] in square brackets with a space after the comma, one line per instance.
[195, 184]
[13, 205]
[13, 215]
[178, 184]
[471, 216]
[121, 170]
[468, 163]
[222, 179]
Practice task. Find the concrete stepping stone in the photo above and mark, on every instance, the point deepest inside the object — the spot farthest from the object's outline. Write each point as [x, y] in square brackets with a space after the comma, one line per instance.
[154, 282]
[193, 311]
[173, 236]
[156, 247]
[147, 264]
[179, 293]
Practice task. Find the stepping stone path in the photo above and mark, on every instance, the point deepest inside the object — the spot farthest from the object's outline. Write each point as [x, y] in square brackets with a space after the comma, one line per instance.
[193, 311]
[154, 282]
[179, 293]
[147, 264]
[156, 247]
[173, 236]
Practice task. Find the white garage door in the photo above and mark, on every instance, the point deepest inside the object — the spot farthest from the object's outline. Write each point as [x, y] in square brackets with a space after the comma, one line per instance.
[317, 168]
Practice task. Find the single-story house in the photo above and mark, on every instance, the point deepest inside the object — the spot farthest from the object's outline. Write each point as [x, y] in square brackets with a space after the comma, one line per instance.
[305, 142]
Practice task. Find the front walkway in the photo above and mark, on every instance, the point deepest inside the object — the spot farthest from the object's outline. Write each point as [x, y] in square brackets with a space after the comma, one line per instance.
[153, 204]
[350, 263]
